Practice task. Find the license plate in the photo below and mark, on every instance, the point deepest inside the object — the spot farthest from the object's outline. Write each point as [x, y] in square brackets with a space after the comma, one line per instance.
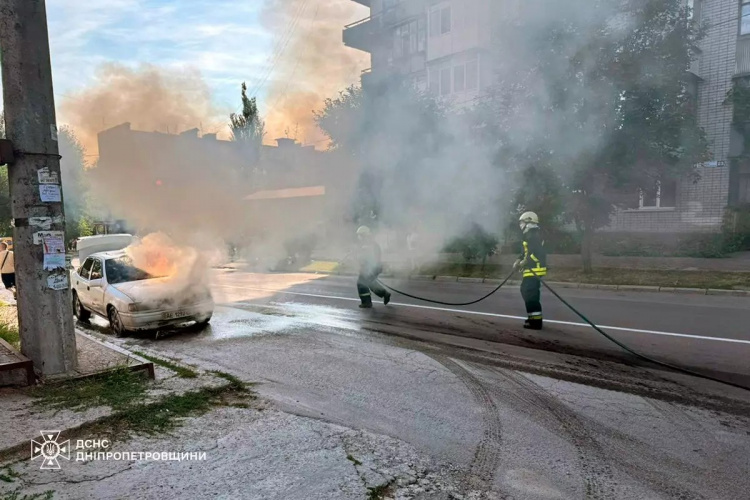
[175, 314]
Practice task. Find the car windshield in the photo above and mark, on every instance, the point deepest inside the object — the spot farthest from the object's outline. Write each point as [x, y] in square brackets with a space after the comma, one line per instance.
[122, 270]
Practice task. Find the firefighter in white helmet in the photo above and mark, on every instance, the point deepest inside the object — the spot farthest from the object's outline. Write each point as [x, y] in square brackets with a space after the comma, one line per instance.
[370, 266]
[533, 263]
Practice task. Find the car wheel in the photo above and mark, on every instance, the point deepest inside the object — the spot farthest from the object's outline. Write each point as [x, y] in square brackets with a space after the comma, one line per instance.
[203, 321]
[115, 323]
[78, 310]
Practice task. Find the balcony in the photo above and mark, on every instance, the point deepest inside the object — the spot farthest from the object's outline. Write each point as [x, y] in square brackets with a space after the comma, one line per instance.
[403, 11]
[742, 67]
[363, 34]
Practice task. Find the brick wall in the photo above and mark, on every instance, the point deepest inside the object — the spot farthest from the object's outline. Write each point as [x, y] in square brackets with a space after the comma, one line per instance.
[699, 208]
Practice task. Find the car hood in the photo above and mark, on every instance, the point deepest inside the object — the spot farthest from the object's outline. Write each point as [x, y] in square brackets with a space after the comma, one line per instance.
[158, 289]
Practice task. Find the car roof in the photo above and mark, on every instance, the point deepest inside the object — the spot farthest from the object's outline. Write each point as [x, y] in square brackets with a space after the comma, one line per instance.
[115, 254]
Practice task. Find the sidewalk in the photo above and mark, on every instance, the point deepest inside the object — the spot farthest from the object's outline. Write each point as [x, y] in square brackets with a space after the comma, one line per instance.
[242, 447]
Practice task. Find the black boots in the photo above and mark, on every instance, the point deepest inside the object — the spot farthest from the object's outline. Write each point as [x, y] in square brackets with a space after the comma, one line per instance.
[533, 324]
[387, 298]
[366, 305]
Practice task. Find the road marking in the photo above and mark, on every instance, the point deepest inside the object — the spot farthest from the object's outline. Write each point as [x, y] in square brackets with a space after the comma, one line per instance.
[495, 315]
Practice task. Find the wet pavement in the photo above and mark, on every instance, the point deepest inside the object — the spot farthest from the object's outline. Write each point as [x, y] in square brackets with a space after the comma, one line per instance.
[519, 419]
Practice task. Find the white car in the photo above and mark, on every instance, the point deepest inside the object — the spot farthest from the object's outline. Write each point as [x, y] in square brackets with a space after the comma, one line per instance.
[109, 285]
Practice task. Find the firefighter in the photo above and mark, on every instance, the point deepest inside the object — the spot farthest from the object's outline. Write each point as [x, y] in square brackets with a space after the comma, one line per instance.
[533, 263]
[370, 267]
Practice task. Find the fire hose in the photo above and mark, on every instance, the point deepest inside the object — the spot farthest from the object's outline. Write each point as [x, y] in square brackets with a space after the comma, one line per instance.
[585, 319]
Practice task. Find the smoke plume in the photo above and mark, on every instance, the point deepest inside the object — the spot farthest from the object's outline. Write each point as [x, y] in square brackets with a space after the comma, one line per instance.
[149, 97]
[310, 62]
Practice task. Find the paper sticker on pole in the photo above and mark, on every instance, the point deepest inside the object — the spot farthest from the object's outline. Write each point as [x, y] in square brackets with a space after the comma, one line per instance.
[57, 282]
[53, 131]
[40, 236]
[50, 193]
[47, 177]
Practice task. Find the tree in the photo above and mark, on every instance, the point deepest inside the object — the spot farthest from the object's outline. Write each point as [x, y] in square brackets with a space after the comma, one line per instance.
[598, 93]
[6, 229]
[73, 180]
[247, 128]
[393, 133]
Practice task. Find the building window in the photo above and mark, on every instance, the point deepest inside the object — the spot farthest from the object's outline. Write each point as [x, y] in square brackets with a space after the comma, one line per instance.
[459, 78]
[450, 78]
[662, 195]
[440, 21]
[422, 35]
[743, 189]
[409, 39]
[472, 74]
[745, 19]
[694, 12]
[445, 20]
[445, 81]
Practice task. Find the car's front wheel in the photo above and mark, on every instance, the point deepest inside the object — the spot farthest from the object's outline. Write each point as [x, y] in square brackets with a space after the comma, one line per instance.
[204, 321]
[115, 322]
[78, 310]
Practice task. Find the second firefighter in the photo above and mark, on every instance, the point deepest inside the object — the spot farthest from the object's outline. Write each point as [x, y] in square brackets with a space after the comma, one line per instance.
[370, 267]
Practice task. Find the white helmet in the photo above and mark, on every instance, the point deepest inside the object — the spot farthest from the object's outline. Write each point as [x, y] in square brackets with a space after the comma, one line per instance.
[529, 217]
[363, 231]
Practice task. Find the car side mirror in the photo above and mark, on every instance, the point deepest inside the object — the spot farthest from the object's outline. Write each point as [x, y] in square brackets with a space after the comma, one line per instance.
[96, 283]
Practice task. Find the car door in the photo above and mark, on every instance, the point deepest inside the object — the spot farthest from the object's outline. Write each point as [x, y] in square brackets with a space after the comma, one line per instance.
[81, 282]
[96, 286]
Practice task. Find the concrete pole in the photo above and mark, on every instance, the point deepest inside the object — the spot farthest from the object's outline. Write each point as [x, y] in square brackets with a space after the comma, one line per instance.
[44, 299]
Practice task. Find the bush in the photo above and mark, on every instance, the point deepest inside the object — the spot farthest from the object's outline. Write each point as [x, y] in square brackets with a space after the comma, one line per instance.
[475, 244]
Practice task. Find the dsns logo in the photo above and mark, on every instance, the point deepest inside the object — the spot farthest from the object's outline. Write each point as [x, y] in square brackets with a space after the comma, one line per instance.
[49, 450]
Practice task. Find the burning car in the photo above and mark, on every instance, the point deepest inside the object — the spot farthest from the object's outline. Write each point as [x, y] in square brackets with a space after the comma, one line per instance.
[111, 285]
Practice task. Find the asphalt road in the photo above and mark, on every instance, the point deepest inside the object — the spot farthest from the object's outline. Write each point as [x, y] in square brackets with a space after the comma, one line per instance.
[710, 334]
[556, 414]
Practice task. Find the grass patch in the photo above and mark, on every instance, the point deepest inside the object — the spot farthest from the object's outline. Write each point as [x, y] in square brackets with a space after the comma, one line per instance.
[181, 371]
[117, 389]
[167, 414]
[9, 326]
[607, 276]
[17, 495]
[234, 382]
[9, 476]
[353, 460]
[379, 492]
[320, 266]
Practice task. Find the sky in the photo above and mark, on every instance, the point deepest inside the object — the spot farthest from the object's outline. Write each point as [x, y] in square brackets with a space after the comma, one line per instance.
[207, 47]
[223, 38]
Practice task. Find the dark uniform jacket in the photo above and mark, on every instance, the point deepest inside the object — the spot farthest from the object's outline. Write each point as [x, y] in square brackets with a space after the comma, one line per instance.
[534, 255]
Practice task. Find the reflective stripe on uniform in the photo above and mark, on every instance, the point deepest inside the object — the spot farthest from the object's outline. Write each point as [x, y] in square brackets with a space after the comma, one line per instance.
[534, 272]
[368, 294]
[538, 270]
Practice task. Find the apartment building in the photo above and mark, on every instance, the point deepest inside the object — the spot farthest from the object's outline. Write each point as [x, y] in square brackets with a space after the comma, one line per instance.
[444, 46]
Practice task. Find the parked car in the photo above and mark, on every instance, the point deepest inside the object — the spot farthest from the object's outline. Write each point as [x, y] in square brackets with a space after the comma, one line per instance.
[108, 284]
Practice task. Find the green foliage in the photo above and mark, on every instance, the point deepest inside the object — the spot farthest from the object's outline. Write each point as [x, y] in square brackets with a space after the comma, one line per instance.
[475, 244]
[117, 389]
[247, 128]
[394, 133]
[604, 108]
[73, 178]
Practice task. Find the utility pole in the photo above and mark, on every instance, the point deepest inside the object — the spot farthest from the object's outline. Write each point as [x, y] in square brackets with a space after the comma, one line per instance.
[45, 313]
